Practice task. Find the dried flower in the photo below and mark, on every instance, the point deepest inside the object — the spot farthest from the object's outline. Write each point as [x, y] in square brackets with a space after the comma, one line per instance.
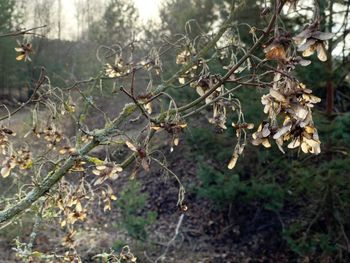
[51, 135]
[142, 154]
[67, 149]
[183, 57]
[106, 171]
[233, 161]
[108, 197]
[219, 115]
[24, 51]
[72, 209]
[242, 126]
[68, 239]
[219, 106]
[125, 254]
[72, 257]
[24, 159]
[276, 50]
[78, 166]
[145, 100]
[7, 166]
[261, 136]
[311, 40]
[4, 138]
[118, 69]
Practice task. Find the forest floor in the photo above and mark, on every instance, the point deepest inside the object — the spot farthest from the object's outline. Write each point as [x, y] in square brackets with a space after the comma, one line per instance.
[240, 233]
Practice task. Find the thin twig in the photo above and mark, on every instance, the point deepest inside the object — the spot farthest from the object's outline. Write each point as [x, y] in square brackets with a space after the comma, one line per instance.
[172, 240]
[38, 85]
[22, 32]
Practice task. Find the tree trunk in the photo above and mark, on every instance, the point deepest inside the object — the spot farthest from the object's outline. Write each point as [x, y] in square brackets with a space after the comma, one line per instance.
[330, 89]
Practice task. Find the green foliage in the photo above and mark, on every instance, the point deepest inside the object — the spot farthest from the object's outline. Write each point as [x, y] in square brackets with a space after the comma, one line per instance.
[6, 15]
[117, 24]
[205, 144]
[132, 203]
[12, 72]
[221, 188]
[304, 244]
[66, 60]
[176, 14]
[340, 131]
[225, 187]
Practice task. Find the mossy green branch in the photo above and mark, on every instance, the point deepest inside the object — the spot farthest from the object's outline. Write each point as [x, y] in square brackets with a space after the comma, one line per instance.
[40, 190]
[57, 173]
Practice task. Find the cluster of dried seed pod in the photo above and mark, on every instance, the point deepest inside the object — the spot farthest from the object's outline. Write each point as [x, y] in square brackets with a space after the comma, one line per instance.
[142, 156]
[72, 209]
[106, 171]
[311, 40]
[292, 102]
[240, 128]
[24, 51]
[78, 166]
[219, 106]
[51, 135]
[120, 68]
[4, 139]
[22, 159]
[107, 196]
[289, 101]
[185, 57]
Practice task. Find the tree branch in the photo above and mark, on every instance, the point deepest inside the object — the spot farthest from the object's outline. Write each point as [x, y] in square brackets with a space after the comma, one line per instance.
[55, 175]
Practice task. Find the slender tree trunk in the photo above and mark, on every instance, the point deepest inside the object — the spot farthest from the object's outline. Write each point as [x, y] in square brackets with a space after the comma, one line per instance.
[330, 89]
[59, 19]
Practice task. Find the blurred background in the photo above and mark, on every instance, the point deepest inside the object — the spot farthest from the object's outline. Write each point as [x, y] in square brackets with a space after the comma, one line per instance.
[272, 207]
